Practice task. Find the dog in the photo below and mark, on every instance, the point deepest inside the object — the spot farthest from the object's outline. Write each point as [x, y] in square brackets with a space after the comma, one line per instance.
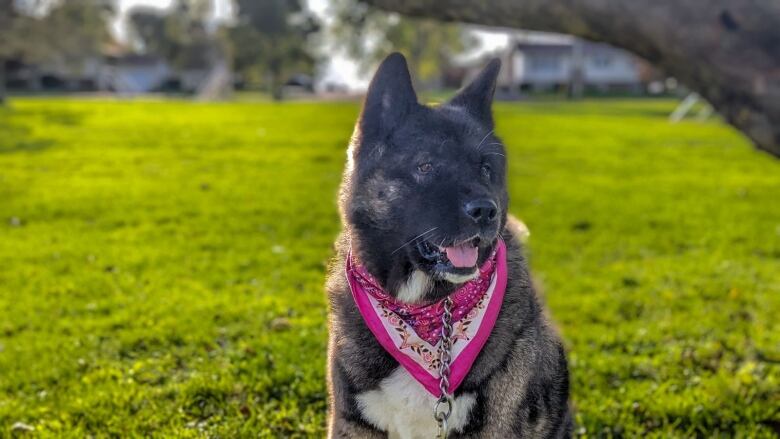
[423, 204]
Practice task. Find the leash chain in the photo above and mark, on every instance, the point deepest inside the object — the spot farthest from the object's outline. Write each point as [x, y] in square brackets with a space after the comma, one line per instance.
[443, 407]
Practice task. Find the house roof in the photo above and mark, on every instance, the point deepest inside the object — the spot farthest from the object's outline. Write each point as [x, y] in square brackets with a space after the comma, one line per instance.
[534, 38]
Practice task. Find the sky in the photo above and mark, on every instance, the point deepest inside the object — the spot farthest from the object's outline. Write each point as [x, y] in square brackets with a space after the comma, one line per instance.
[339, 68]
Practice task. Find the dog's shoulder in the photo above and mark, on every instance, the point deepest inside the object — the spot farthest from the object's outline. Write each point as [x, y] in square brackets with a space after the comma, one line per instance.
[517, 229]
[362, 360]
[336, 281]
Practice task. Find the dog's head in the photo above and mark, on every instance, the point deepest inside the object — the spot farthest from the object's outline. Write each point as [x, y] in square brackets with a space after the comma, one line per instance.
[424, 194]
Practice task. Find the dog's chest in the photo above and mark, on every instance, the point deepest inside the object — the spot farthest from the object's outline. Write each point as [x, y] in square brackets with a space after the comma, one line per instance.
[404, 409]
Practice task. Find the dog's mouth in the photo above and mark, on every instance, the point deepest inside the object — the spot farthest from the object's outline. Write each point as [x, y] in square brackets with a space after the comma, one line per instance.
[458, 258]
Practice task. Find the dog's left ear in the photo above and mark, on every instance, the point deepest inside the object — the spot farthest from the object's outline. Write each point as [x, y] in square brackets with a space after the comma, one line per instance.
[477, 97]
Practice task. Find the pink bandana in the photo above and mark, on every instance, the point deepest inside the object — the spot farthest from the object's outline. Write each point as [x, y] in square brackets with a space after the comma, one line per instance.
[412, 333]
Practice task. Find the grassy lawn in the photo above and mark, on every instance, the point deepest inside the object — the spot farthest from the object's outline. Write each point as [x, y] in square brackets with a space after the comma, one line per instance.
[162, 264]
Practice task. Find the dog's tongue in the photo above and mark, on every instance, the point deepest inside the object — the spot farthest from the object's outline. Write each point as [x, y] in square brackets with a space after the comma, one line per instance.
[463, 255]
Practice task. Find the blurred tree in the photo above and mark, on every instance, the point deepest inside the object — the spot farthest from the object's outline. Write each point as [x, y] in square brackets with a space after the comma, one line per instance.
[61, 33]
[149, 31]
[271, 40]
[180, 35]
[727, 50]
[369, 34]
[8, 18]
[185, 36]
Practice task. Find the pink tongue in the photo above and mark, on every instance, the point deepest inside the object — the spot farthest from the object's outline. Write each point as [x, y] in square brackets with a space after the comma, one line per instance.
[462, 255]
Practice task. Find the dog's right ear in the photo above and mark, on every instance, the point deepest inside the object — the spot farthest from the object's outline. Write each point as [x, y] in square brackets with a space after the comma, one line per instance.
[389, 100]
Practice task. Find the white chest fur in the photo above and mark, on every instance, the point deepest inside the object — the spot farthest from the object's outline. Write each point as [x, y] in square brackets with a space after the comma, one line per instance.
[404, 409]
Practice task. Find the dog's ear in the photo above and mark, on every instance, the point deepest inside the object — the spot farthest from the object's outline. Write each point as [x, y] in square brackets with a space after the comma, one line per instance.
[477, 97]
[389, 100]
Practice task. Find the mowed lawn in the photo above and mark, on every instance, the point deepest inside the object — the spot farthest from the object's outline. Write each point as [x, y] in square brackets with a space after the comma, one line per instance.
[162, 265]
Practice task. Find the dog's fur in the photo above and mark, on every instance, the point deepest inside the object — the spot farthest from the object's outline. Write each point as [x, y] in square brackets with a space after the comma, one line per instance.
[519, 384]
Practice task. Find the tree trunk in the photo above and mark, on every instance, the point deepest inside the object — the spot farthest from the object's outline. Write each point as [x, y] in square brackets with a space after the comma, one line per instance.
[726, 50]
[218, 83]
[277, 88]
[2, 82]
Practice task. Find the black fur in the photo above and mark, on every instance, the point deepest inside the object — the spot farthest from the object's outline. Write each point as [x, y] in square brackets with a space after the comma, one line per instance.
[388, 202]
[389, 199]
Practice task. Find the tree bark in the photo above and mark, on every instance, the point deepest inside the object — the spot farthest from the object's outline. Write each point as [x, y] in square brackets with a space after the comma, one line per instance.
[726, 50]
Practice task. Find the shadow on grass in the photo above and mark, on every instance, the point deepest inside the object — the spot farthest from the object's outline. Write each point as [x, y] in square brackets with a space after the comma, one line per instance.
[16, 128]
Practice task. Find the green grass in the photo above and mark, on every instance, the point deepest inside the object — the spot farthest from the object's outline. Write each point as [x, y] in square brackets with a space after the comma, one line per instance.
[162, 263]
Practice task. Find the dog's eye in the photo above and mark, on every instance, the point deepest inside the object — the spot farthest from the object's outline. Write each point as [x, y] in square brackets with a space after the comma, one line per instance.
[425, 168]
[486, 171]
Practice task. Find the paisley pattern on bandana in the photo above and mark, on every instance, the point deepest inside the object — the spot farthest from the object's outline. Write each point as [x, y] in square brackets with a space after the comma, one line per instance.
[425, 319]
[427, 353]
[412, 333]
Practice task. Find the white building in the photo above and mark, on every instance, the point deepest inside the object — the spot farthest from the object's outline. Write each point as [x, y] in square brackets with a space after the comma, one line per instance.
[544, 61]
[540, 61]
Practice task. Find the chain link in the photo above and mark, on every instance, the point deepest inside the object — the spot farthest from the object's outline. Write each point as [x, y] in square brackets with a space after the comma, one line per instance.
[443, 407]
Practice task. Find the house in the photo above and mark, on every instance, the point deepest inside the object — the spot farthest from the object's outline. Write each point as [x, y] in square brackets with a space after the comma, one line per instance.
[115, 70]
[539, 61]
[548, 62]
[132, 74]
[21, 76]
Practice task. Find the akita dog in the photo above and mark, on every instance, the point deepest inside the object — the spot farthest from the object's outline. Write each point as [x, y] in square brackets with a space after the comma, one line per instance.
[434, 324]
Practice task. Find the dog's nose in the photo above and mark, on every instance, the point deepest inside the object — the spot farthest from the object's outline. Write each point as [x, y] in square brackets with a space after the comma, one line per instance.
[481, 210]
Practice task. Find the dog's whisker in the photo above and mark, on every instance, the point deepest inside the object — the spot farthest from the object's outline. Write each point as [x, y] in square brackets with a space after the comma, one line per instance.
[494, 153]
[479, 147]
[414, 239]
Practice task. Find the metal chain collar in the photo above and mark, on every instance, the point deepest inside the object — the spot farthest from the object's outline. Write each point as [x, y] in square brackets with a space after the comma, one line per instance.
[443, 407]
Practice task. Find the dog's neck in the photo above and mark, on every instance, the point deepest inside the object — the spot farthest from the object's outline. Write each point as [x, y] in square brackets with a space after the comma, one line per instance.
[415, 288]
[419, 284]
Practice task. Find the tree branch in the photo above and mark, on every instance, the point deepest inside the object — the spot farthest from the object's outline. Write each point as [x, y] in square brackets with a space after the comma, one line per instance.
[726, 50]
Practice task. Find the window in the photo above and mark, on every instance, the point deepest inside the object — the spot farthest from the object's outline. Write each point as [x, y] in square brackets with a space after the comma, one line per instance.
[545, 63]
[602, 61]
